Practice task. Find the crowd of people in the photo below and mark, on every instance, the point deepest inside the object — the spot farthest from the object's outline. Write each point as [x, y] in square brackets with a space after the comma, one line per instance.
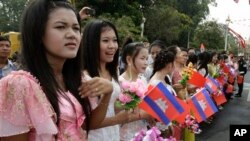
[66, 83]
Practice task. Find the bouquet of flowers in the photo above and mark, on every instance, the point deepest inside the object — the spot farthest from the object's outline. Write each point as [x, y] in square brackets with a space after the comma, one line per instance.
[131, 94]
[191, 124]
[217, 72]
[153, 134]
[186, 74]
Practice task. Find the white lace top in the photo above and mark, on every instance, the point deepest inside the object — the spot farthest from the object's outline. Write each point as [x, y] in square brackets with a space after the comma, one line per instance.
[110, 133]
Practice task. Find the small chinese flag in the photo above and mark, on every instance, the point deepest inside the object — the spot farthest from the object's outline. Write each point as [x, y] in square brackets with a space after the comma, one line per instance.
[219, 98]
[230, 88]
[240, 79]
[197, 79]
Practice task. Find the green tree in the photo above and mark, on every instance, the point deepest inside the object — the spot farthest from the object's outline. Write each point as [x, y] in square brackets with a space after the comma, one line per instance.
[117, 8]
[184, 16]
[211, 34]
[125, 26]
[10, 15]
[232, 44]
[197, 10]
[165, 23]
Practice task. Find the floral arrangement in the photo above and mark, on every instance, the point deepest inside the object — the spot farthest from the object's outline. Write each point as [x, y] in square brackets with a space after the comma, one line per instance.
[218, 72]
[153, 134]
[186, 74]
[191, 124]
[131, 94]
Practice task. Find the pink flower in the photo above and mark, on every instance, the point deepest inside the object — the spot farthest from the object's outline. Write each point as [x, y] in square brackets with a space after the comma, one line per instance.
[140, 92]
[139, 136]
[125, 85]
[192, 124]
[140, 83]
[132, 88]
[124, 98]
[171, 139]
[132, 94]
[152, 134]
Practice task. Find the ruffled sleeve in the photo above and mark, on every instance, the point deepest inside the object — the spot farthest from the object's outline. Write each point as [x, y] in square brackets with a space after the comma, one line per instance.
[24, 107]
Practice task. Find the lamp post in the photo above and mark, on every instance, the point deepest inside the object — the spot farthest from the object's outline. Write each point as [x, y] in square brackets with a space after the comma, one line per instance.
[143, 21]
[142, 26]
[227, 24]
[188, 39]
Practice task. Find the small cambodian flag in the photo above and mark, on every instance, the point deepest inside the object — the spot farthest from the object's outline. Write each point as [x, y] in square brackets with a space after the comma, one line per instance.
[161, 104]
[211, 85]
[202, 105]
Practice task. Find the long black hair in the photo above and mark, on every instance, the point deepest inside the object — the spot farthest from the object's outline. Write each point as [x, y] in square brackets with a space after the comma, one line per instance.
[162, 59]
[203, 60]
[131, 49]
[91, 48]
[173, 49]
[34, 60]
[157, 43]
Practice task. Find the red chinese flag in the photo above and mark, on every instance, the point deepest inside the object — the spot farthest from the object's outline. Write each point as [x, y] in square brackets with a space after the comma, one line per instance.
[181, 118]
[225, 69]
[240, 79]
[219, 98]
[221, 80]
[230, 88]
[230, 79]
[197, 79]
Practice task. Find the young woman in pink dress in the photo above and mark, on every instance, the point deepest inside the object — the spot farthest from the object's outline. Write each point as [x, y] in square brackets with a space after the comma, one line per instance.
[42, 101]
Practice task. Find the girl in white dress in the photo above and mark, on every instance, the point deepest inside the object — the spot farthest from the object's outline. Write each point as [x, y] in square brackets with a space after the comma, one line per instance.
[134, 56]
[100, 55]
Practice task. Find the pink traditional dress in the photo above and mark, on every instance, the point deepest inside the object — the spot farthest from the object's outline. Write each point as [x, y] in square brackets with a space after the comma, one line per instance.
[176, 76]
[24, 108]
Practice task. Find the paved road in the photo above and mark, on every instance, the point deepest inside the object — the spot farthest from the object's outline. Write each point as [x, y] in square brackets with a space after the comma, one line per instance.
[236, 111]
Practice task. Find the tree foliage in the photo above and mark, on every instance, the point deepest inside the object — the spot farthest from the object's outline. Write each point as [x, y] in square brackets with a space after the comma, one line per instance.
[165, 23]
[232, 43]
[169, 20]
[10, 15]
[196, 10]
[117, 8]
[125, 26]
[211, 34]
